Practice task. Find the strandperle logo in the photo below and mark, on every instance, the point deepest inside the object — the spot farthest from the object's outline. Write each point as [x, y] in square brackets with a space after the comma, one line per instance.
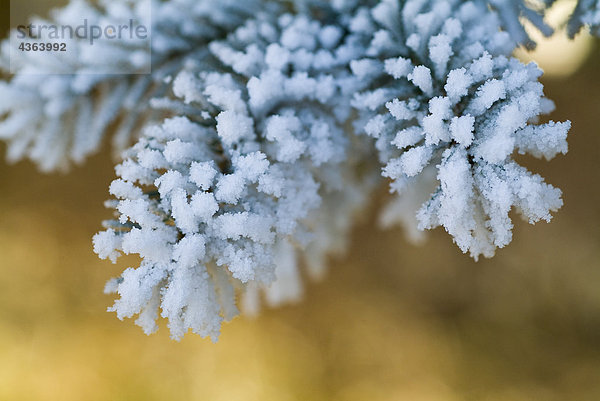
[87, 31]
[63, 46]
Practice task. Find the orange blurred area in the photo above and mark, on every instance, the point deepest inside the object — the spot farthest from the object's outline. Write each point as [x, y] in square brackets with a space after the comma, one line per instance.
[391, 321]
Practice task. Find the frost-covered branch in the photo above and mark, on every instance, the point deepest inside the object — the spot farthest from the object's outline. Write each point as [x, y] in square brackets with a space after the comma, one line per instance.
[452, 100]
[226, 200]
[265, 126]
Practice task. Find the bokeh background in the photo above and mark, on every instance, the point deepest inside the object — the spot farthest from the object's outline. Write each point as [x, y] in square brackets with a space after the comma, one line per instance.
[391, 321]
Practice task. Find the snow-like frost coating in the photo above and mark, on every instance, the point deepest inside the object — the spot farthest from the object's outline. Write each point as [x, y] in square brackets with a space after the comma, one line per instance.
[259, 132]
[226, 199]
[454, 100]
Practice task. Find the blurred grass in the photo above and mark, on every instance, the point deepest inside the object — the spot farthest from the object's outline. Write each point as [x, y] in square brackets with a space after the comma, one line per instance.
[390, 322]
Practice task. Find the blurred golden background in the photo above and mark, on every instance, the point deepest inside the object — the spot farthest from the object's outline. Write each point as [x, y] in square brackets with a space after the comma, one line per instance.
[390, 322]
